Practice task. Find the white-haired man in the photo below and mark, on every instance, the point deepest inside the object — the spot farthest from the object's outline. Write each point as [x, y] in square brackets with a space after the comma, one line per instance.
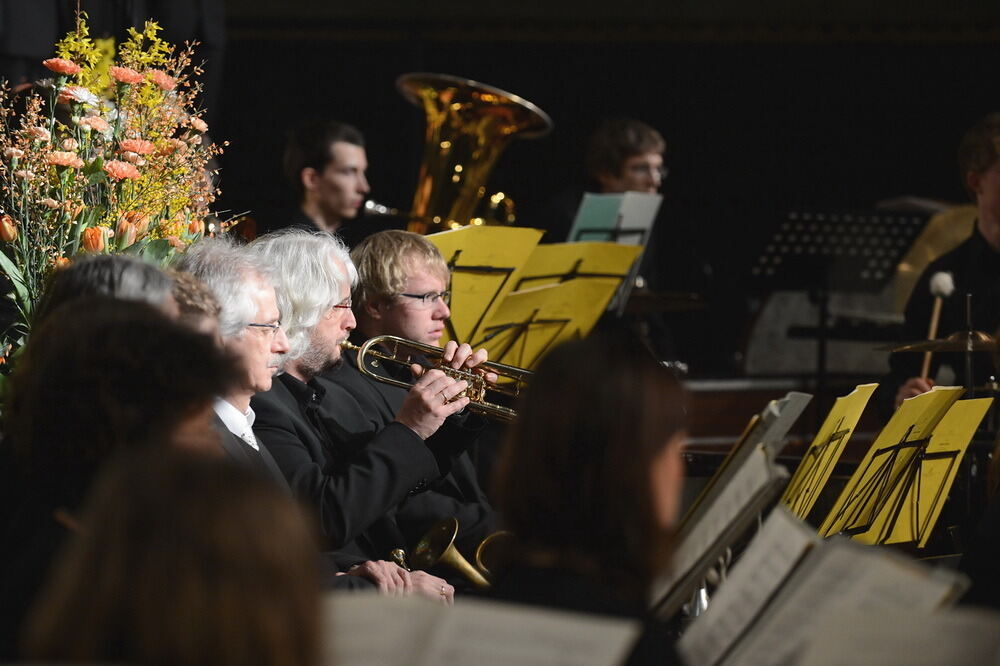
[249, 326]
[356, 486]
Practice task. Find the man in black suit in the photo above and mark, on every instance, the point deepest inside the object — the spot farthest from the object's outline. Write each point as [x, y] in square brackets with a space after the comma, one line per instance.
[249, 327]
[402, 292]
[354, 485]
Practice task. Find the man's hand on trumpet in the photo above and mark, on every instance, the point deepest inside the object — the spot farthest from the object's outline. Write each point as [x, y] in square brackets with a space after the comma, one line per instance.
[434, 397]
[461, 356]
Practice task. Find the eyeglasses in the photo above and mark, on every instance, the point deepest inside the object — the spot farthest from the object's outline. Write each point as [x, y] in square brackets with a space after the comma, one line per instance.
[273, 328]
[649, 170]
[430, 299]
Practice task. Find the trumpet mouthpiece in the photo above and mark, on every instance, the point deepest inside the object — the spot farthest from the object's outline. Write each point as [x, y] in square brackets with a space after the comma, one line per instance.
[346, 344]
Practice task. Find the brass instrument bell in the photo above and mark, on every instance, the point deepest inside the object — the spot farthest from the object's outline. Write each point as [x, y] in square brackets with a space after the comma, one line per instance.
[438, 547]
[468, 126]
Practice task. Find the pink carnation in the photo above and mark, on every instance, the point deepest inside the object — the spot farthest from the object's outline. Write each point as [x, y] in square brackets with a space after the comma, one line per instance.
[64, 158]
[125, 75]
[162, 79]
[62, 66]
[199, 124]
[118, 170]
[38, 133]
[170, 146]
[77, 94]
[140, 146]
[95, 123]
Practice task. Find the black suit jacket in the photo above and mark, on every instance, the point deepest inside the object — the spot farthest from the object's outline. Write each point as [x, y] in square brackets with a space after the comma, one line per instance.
[362, 408]
[354, 490]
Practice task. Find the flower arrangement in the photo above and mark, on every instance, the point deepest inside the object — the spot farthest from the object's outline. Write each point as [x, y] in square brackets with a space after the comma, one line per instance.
[101, 159]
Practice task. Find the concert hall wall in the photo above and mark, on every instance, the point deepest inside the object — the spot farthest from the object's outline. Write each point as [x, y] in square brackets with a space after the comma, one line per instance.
[759, 115]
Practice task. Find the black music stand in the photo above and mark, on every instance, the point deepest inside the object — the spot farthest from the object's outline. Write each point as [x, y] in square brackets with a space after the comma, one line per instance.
[820, 252]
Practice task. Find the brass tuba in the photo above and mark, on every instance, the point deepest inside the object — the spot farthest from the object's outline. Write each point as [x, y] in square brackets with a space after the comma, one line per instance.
[468, 126]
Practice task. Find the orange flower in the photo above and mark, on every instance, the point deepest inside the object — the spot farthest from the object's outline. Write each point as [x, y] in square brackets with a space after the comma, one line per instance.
[38, 133]
[13, 153]
[199, 124]
[8, 229]
[118, 170]
[196, 227]
[69, 144]
[94, 123]
[126, 233]
[49, 202]
[136, 218]
[162, 79]
[93, 239]
[60, 262]
[62, 66]
[171, 146]
[175, 242]
[140, 146]
[125, 75]
[65, 159]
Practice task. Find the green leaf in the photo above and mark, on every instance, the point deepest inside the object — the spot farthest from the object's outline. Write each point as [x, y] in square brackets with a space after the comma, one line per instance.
[16, 277]
[96, 166]
[158, 250]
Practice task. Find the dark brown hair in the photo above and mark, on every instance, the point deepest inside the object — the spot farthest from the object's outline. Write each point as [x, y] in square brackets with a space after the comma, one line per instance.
[182, 559]
[101, 375]
[979, 148]
[310, 145]
[574, 479]
[615, 141]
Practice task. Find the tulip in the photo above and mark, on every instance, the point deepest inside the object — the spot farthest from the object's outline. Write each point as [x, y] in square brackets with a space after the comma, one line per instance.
[8, 229]
[93, 239]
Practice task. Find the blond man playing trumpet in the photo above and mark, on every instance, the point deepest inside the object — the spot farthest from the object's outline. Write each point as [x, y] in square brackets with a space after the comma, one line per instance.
[402, 290]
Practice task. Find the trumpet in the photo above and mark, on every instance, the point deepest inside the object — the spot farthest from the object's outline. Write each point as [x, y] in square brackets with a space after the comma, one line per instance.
[511, 380]
[438, 547]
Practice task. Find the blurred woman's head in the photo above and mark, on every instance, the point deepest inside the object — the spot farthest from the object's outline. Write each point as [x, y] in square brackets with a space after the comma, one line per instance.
[182, 559]
[101, 375]
[592, 471]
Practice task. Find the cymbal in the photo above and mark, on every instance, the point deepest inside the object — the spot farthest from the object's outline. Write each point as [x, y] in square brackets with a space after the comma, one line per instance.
[956, 342]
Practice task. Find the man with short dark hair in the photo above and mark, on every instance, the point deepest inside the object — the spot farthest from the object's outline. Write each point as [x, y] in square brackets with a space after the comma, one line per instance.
[325, 163]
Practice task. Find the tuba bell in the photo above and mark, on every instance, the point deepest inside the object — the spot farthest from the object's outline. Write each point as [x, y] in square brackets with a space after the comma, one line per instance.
[468, 125]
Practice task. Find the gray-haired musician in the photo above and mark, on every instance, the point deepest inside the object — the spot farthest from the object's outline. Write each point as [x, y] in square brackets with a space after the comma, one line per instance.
[356, 485]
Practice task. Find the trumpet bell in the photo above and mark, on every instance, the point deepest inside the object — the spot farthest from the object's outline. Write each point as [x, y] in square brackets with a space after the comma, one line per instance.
[468, 126]
[438, 547]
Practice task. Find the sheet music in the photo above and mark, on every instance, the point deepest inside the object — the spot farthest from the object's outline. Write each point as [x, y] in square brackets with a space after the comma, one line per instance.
[363, 629]
[759, 573]
[784, 412]
[746, 483]
[961, 636]
[838, 580]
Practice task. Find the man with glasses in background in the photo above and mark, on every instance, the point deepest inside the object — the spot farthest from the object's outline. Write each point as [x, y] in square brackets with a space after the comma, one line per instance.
[403, 291]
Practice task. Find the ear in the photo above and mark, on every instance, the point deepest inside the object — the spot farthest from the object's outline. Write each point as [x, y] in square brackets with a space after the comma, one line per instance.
[373, 309]
[309, 177]
[608, 181]
[972, 182]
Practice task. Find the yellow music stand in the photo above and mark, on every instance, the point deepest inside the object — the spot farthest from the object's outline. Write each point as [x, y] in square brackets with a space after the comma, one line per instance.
[485, 263]
[911, 512]
[896, 448]
[819, 459]
[529, 322]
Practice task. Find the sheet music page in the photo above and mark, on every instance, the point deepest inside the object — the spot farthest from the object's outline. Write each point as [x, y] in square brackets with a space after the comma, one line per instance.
[751, 478]
[785, 413]
[363, 629]
[837, 580]
[637, 214]
[759, 573]
[961, 636]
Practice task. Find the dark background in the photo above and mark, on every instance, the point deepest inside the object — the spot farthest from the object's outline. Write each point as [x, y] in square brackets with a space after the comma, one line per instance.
[765, 106]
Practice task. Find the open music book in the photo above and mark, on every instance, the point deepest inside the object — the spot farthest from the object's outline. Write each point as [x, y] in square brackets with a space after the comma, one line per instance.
[368, 629]
[746, 482]
[790, 586]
